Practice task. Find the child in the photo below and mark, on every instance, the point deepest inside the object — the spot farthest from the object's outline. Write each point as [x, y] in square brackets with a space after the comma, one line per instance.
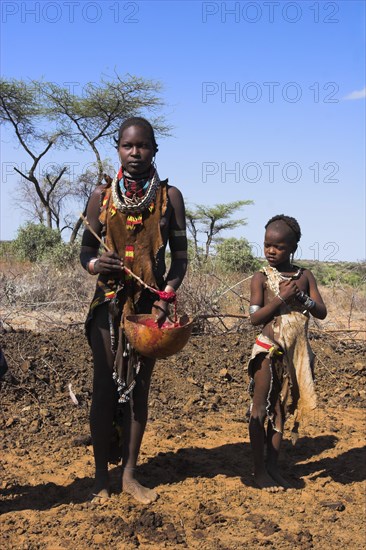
[280, 368]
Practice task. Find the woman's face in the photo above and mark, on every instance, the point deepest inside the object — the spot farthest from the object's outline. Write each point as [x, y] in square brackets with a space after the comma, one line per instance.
[136, 150]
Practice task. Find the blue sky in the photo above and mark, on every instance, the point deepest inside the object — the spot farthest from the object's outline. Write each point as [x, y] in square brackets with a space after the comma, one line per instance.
[267, 101]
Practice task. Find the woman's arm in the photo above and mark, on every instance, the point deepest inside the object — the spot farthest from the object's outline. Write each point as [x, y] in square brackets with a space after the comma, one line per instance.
[177, 239]
[178, 249]
[108, 262]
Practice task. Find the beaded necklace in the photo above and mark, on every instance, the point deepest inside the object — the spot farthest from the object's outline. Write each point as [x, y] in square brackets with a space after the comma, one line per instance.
[275, 277]
[135, 204]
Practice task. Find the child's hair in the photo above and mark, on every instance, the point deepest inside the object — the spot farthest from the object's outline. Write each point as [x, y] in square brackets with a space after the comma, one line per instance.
[290, 222]
[137, 121]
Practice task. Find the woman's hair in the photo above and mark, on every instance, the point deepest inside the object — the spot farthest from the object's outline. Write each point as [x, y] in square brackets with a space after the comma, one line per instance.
[290, 222]
[137, 121]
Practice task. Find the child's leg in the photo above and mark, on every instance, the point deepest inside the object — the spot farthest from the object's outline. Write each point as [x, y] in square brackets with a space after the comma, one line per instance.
[274, 440]
[262, 382]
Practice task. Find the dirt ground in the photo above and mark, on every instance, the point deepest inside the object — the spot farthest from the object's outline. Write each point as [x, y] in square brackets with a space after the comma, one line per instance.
[195, 453]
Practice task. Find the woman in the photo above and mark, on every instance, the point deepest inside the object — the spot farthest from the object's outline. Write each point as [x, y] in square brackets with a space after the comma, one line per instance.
[137, 214]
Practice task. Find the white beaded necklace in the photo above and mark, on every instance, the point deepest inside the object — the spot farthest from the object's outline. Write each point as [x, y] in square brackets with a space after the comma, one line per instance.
[136, 204]
[275, 277]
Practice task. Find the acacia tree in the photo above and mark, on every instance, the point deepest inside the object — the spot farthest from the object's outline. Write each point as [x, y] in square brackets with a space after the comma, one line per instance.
[84, 121]
[95, 116]
[210, 221]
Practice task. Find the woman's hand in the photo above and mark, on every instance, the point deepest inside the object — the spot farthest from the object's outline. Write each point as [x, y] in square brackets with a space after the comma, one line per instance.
[288, 290]
[109, 264]
[161, 310]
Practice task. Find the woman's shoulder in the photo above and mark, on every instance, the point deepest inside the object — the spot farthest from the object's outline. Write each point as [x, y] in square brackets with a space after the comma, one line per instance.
[170, 188]
[99, 190]
[175, 196]
[98, 198]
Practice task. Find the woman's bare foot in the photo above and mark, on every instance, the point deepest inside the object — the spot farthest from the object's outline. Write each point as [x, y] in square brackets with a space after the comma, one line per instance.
[139, 492]
[267, 483]
[101, 488]
[274, 473]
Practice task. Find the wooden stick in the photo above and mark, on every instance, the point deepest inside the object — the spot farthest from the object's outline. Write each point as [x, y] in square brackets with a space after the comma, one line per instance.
[87, 224]
[220, 315]
[339, 330]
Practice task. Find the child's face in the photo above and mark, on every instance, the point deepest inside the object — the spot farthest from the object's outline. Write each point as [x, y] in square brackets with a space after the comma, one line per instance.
[278, 245]
[136, 150]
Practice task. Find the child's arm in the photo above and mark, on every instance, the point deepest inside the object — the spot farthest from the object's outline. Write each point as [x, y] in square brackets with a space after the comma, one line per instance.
[265, 313]
[319, 310]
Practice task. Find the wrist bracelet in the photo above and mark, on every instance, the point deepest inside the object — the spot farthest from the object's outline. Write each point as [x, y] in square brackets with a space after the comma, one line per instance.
[282, 300]
[168, 295]
[309, 303]
[90, 266]
[306, 300]
[169, 288]
[253, 309]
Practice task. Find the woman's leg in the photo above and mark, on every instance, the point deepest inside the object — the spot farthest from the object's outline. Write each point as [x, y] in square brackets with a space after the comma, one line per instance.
[134, 423]
[262, 383]
[104, 398]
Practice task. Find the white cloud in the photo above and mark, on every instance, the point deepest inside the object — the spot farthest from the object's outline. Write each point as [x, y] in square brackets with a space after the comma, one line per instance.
[357, 94]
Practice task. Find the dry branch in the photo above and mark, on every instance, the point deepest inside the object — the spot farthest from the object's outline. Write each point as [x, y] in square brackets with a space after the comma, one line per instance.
[218, 315]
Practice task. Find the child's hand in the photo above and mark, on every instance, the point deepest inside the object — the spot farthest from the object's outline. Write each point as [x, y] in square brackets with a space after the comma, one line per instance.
[288, 290]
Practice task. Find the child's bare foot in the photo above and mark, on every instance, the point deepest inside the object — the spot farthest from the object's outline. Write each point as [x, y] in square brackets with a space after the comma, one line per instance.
[139, 492]
[274, 473]
[267, 483]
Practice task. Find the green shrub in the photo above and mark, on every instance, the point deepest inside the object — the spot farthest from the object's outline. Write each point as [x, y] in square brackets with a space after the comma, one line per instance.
[338, 273]
[236, 255]
[6, 250]
[63, 255]
[33, 242]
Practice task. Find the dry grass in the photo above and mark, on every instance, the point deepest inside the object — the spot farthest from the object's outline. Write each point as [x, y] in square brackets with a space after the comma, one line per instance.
[39, 297]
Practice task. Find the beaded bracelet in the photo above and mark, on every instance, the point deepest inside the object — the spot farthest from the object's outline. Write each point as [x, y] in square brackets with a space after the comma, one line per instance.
[168, 294]
[306, 300]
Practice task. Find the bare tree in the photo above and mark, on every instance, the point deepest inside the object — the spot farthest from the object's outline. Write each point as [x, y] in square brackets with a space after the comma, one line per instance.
[20, 107]
[83, 188]
[56, 193]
